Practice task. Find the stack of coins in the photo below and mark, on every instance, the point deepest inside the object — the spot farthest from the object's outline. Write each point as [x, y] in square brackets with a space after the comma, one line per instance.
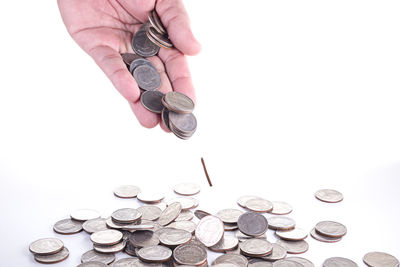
[49, 250]
[328, 231]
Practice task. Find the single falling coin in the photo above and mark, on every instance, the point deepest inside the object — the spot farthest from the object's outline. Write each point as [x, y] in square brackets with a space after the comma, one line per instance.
[329, 195]
[210, 230]
[127, 191]
[187, 189]
[339, 261]
[67, 226]
[46, 246]
[296, 234]
[380, 259]
[293, 247]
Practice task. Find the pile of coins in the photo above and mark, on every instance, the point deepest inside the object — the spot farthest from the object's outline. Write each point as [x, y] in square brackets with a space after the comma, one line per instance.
[163, 233]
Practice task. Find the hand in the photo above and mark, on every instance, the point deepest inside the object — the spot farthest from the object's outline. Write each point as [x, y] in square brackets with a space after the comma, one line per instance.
[104, 29]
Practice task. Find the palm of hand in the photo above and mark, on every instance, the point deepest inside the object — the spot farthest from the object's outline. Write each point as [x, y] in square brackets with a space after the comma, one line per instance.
[104, 29]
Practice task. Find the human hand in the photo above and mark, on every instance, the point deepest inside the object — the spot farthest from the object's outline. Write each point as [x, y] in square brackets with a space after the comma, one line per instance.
[104, 29]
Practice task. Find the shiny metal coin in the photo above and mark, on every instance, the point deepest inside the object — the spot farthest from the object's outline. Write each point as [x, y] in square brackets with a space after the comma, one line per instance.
[125, 262]
[94, 225]
[293, 247]
[243, 199]
[281, 208]
[126, 215]
[230, 226]
[380, 259]
[142, 45]
[303, 261]
[187, 189]
[67, 226]
[84, 214]
[110, 249]
[296, 234]
[158, 39]
[154, 254]
[144, 239]
[225, 244]
[186, 202]
[151, 100]
[128, 58]
[127, 191]
[239, 235]
[339, 261]
[182, 125]
[178, 103]
[46, 246]
[53, 258]
[200, 214]
[185, 215]
[252, 224]
[175, 237]
[235, 259]
[210, 230]
[329, 195]
[255, 247]
[147, 78]
[229, 215]
[278, 253]
[106, 237]
[130, 249]
[155, 21]
[259, 263]
[138, 227]
[184, 225]
[114, 225]
[170, 214]
[331, 229]
[138, 62]
[281, 223]
[259, 205]
[150, 212]
[322, 238]
[190, 254]
[150, 197]
[165, 118]
[93, 255]
[93, 264]
[286, 263]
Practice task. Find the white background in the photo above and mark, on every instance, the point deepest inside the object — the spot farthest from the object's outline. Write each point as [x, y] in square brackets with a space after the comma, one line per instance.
[293, 96]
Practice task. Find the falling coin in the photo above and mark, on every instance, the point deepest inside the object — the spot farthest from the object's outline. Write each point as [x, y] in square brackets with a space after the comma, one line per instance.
[380, 259]
[294, 247]
[210, 230]
[127, 191]
[252, 224]
[331, 229]
[187, 189]
[339, 261]
[296, 234]
[329, 195]
[46, 246]
[67, 226]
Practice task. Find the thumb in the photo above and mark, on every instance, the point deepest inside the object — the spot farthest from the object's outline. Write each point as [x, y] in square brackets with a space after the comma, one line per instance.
[175, 18]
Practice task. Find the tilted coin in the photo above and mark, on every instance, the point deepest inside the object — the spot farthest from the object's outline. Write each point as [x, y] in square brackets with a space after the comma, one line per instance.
[170, 213]
[259, 263]
[53, 258]
[233, 251]
[380, 259]
[256, 247]
[296, 234]
[185, 215]
[127, 191]
[162, 230]
[259, 205]
[130, 249]
[114, 225]
[286, 263]
[339, 261]
[230, 226]
[84, 214]
[239, 235]
[281, 208]
[281, 223]
[225, 244]
[67, 226]
[278, 253]
[93, 264]
[200, 214]
[142, 45]
[139, 227]
[106, 237]
[46, 246]
[147, 78]
[110, 249]
[186, 202]
[138, 62]
[184, 225]
[154, 254]
[150, 197]
[236, 259]
[94, 225]
[125, 262]
[155, 21]
[293, 247]
[229, 215]
[243, 199]
[329, 195]
[128, 58]
[126, 215]
[178, 102]
[93, 255]
[331, 229]
[182, 125]
[187, 189]
[158, 39]
[175, 237]
[144, 239]
[151, 100]
[150, 212]
[323, 238]
[252, 223]
[210, 230]
[303, 261]
[190, 254]
[165, 117]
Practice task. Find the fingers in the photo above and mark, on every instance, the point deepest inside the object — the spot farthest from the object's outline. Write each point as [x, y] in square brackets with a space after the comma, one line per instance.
[146, 118]
[174, 17]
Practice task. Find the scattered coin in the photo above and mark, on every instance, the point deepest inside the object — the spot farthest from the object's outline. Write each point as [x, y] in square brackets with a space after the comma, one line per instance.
[142, 45]
[225, 244]
[296, 234]
[200, 214]
[380, 259]
[281, 208]
[229, 215]
[252, 224]
[303, 261]
[147, 78]
[259, 205]
[46, 246]
[230, 226]
[53, 258]
[187, 189]
[126, 215]
[294, 247]
[85, 214]
[144, 239]
[235, 259]
[329, 195]
[126, 262]
[170, 214]
[278, 253]
[256, 247]
[339, 261]
[178, 102]
[67, 226]
[151, 100]
[93, 264]
[92, 255]
[186, 202]
[331, 229]
[281, 223]
[190, 254]
[259, 263]
[154, 254]
[127, 191]
[185, 215]
[184, 225]
[210, 230]
[322, 238]
[110, 249]
[175, 237]
[286, 263]
[106, 237]
[150, 212]
[94, 225]
[243, 199]
[150, 197]
[239, 235]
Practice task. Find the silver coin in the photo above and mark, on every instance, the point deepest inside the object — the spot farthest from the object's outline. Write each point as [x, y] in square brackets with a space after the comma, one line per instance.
[185, 215]
[235, 259]
[175, 237]
[138, 227]
[158, 39]
[190, 254]
[243, 199]
[154, 254]
[278, 253]
[67, 226]
[151, 100]
[239, 235]
[125, 262]
[187, 189]
[46, 246]
[186, 202]
[329, 195]
[281, 223]
[130, 249]
[322, 238]
[225, 244]
[331, 229]
[144, 239]
[93, 264]
[303, 261]
[182, 125]
[380, 259]
[229, 215]
[170, 213]
[178, 102]
[339, 262]
[150, 197]
[165, 117]
[286, 263]
[281, 208]
[296, 234]
[142, 45]
[110, 249]
[114, 225]
[53, 258]
[255, 247]
[294, 247]
[150, 212]
[184, 225]
[126, 215]
[93, 255]
[84, 214]
[259, 263]
[210, 230]
[252, 224]
[200, 214]
[128, 58]
[127, 191]
[138, 62]
[230, 226]
[106, 237]
[155, 21]
[147, 78]
[259, 205]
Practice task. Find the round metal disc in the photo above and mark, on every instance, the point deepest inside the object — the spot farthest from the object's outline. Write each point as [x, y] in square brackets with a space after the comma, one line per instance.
[178, 102]
[154, 254]
[85, 214]
[126, 191]
[235, 259]
[187, 189]
[252, 224]
[150, 197]
[331, 229]
[142, 45]
[170, 214]
[151, 100]
[305, 262]
[175, 237]
[281, 208]
[67, 226]
[147, 78]
[46, 246]
[53, 258]
[259, 205]
[287, 263]
[256, 247]
[190, 254]
[185, 215]
[322, 238]
[259, 263]
[225, 244]
[329, 195]
[94, 225]
[93, 255]
[106, 237]
[184, 225]
[278, 253]
[210, 230]
[380, 259]
[110, 249]
[296, 234]
[339, 261]
[150, 212]
[281, 223]
[229, 215]
[93, 264]
[294, 247]
[144, 239]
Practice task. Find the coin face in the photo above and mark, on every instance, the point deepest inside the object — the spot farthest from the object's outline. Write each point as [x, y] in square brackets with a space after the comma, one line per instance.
[92, 255]
[331, 229]
[142, 45]
[144, 239]
[138, 62]
[293, 247]
[127, 191]
[296, 234]
[182, 125]
[200, 214]
[106, 237]
[125, 262]
[170, 213]
[151, 100]
[150, 212]
[186, 202]
[287, 263]
[235, 259]
[175, 237]
[190, 254]
[126, 215]
[94, 225]
[380, 259]
[187, 189]
[259, 263]
[281, 208]
[93, 264]
[281, 223]
[150, 197]
[67, 226]
[329, 195]
[303, 261]
[110, 249]
[229, 215]
[184, 225]
[225, 244]
[147, 78]
[339, 261]
[53, 258]
[154, 254]
[278, 253]
[185, 215]
[178, 102]
[243, 199]
[46, 246]
[256, 247]
[210, 230]
[322, 238]
[259, 205]
[85, 214]
[252, 224]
